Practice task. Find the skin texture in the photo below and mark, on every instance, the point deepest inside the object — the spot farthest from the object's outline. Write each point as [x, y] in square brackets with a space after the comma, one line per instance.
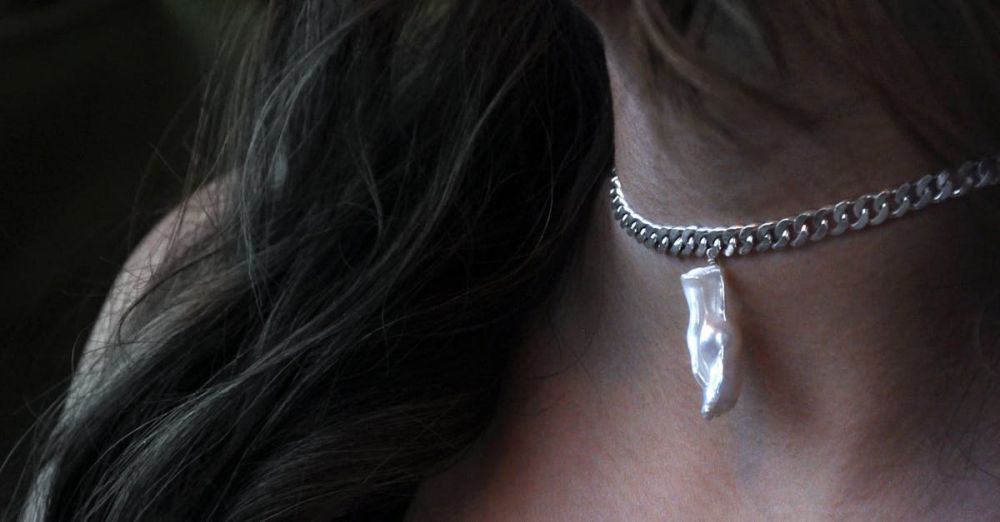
[868, 393]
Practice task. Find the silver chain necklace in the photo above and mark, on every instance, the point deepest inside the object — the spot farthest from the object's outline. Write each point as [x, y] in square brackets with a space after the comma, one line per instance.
[713, 338]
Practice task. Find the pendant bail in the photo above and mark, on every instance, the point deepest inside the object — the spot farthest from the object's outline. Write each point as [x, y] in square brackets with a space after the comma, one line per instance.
[713, 333]
[712, 254]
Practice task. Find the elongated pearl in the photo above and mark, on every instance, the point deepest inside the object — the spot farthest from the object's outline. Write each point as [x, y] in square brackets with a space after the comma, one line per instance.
[713, 340]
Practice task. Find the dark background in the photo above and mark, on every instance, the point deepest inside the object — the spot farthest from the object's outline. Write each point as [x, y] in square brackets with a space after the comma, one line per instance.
[97, 105]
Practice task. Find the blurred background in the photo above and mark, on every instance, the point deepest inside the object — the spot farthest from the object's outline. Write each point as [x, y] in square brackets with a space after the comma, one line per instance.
[97, 107]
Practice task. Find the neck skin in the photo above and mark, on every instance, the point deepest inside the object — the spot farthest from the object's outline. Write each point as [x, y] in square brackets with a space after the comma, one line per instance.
[866, 391]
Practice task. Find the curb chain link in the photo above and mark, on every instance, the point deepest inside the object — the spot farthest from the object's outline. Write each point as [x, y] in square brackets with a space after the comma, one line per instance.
[796, 231]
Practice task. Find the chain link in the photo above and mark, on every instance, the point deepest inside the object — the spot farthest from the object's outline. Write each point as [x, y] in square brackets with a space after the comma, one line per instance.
[793, 232]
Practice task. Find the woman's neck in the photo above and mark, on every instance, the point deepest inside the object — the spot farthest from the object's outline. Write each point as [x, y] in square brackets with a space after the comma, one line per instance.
[867, 388]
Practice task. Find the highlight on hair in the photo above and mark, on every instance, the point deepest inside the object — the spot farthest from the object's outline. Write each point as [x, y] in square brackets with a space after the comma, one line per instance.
[399, 187]
[395, 185]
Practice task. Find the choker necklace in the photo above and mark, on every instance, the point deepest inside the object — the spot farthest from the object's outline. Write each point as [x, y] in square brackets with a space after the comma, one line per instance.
[713, 335]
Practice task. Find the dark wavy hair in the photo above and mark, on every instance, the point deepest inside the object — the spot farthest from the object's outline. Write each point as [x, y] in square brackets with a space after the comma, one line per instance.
[399, 187]
[395, 185]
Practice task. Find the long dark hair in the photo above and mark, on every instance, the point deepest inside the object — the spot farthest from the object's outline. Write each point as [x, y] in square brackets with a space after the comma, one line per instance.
[396, 183]
[400, 186]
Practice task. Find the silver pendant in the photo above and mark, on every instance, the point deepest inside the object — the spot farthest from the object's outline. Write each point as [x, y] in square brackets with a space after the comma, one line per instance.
[713, 340]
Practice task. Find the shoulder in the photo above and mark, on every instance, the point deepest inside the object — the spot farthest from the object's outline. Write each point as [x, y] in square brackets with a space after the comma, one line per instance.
[185, 224]
[189, 222]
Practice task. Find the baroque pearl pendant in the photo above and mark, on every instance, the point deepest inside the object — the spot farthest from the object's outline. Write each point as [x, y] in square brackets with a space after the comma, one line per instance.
[713, 340]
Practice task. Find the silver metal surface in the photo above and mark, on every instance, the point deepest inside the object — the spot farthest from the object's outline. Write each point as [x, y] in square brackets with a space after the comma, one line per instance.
[713, 337]
[794, 232]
